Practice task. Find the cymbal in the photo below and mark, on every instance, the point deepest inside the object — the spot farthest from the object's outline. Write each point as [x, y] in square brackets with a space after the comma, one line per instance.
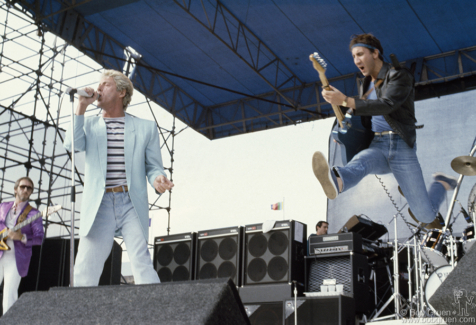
[465, 165]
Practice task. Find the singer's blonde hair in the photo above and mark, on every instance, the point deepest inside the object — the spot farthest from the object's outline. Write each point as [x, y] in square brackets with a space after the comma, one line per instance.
[122, 83]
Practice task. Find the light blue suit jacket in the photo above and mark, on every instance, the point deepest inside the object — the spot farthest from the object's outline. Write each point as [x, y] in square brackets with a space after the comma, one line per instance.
[142, 158]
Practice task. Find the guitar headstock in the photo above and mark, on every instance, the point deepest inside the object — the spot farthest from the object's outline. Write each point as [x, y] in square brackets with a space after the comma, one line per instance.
[319, 63]
[51, 210]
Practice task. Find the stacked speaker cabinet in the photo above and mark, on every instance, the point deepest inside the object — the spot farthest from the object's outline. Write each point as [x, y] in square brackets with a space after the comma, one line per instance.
[174, 257]
[272, 260]
[218, 254]
[276, 256]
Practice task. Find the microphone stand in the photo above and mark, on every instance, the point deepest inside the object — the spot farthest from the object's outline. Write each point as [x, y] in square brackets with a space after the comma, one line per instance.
[73, 192]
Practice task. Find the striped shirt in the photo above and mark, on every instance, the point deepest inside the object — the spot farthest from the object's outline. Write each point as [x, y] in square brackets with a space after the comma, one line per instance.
[116, 168]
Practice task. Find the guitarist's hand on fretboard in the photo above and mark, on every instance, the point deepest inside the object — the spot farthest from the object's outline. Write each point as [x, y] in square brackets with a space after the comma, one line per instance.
[334, 96]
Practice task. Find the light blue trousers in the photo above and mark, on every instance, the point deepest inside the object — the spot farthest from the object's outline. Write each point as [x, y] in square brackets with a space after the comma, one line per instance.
[115, 213]
[390, 154]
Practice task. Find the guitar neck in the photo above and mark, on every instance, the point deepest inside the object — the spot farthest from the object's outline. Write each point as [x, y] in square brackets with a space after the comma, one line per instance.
[4, 234]
[337, 111]
[27, 221]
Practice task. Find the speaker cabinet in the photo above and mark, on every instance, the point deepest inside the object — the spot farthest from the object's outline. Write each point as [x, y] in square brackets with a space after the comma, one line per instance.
[267, 313]
[454, 298]
[174, 257]
[349, 269]
[206, 302]
[276, 256]
[218, 254]
[333, 310]
[54, 266]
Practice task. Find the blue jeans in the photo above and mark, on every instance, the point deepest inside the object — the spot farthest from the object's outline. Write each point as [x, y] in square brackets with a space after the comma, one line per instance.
[115, 213]
[390, 154]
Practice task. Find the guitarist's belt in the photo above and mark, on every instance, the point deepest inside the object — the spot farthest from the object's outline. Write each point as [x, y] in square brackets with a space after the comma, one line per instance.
[385, 133]
[117, 189]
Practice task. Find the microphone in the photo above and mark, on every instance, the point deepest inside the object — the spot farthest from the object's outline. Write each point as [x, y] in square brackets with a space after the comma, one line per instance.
[80, 92]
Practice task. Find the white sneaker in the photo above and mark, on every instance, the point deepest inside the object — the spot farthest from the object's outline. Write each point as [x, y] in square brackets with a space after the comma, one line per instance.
[321, 169]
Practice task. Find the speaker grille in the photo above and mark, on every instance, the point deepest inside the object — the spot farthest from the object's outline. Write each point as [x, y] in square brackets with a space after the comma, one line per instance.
[209, 250]
[258, 245]
[217, 257]
[165, 274]
[182, 253]
[275, 256]
[218, 253]
[227, 270]
[227, 249]
[257, 269]
[267, 257]
[173, 257]
[277, 268]
[165, 255]
[181, 273]
[208, 271]
[332, 267]
[278, 243]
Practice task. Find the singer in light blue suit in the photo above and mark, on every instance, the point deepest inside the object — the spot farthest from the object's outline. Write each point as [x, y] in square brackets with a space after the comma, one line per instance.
[121, 152]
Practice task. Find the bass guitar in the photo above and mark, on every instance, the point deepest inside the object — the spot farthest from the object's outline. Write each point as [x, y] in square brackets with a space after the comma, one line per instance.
[348, 131]
[4, 232]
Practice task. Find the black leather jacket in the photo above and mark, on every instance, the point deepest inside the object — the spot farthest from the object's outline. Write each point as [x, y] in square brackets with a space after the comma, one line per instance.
[395, 101]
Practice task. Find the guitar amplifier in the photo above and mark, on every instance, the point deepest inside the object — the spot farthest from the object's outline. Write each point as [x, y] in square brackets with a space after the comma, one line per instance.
[335, 243]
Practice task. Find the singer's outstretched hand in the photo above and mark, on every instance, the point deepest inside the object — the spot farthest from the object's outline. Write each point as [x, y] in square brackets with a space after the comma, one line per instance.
[161, 184]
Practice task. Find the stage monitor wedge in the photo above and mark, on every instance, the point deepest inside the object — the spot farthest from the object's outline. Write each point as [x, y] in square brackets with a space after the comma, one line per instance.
[207, 302]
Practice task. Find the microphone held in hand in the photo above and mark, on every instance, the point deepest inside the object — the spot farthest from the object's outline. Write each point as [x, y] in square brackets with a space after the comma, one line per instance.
[80, 92]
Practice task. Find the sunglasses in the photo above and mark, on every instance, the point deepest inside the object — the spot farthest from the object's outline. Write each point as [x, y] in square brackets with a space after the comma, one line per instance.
[29, 188]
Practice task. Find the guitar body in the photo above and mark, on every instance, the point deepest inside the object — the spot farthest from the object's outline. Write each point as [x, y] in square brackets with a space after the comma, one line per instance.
[356, 139]
[4, 232]
[3, 236]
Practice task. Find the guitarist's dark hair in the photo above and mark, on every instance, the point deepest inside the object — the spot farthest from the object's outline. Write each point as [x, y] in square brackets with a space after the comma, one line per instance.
[22, 178]
[368, 39]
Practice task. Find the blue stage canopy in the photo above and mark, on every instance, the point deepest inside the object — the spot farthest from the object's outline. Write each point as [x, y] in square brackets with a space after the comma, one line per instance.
[231, 67]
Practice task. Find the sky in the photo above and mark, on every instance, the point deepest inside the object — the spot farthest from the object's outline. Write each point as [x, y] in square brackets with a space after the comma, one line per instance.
[233, 181]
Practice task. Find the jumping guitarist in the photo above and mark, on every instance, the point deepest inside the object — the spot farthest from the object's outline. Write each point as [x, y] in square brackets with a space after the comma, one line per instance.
[15, 255]
[386, 106]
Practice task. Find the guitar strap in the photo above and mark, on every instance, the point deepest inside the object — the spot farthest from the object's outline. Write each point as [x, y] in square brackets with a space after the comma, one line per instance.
[367, 93]
[22, 217]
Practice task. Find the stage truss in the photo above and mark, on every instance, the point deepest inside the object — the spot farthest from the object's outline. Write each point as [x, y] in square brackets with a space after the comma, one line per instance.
[36, 67]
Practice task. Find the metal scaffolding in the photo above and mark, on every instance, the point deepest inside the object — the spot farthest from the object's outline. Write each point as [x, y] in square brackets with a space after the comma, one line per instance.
[36, 67]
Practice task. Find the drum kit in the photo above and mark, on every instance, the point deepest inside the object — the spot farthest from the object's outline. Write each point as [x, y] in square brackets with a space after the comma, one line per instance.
[437, 251]
[441, 251]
